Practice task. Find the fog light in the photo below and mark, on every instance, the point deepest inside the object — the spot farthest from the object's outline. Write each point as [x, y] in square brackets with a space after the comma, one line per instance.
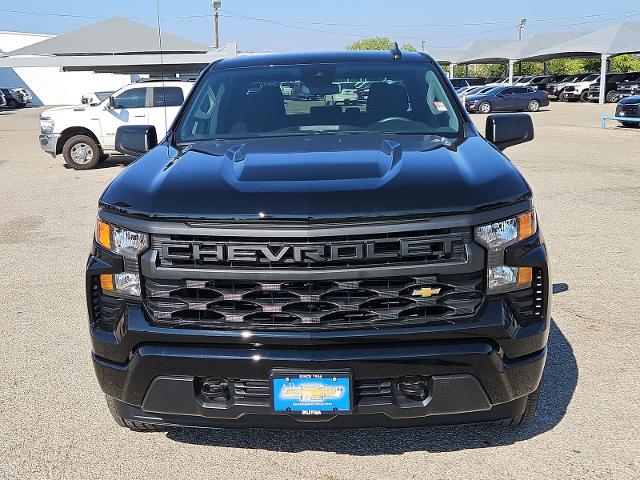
[414, 388]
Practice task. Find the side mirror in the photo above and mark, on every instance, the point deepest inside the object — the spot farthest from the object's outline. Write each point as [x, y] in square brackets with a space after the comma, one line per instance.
[111, 104]
[509, 129]
[136, 140]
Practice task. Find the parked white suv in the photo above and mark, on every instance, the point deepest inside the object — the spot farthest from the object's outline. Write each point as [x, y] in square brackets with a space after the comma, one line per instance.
[580, 90]
[85, 134]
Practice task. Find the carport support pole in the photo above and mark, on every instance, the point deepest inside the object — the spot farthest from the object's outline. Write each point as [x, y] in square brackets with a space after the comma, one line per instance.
[511, 64]
[452, 66]
[603, 77]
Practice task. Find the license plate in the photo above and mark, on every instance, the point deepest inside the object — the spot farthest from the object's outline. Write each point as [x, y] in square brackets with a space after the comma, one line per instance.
[311, 393]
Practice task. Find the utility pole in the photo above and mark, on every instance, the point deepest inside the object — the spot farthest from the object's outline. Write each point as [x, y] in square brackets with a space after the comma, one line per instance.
[216, 4]
[523, 22]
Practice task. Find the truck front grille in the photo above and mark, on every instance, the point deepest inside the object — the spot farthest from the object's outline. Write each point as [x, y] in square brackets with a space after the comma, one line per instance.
[315, 305]
[628, 110]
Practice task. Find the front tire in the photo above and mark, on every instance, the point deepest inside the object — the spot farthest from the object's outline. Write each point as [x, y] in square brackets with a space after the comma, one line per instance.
[81, 152]
[584, 96]
[131, 425]
[485, 107]
[534, 106]
[612, 96]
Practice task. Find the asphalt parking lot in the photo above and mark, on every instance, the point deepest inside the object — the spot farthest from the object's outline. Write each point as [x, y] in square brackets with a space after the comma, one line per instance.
[54, 422]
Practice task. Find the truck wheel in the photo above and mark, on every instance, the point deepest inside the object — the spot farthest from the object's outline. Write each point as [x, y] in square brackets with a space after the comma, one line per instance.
[485, 107]
[534, 106]
[584, 96]
[527, 416]
[81, 152]
[135, 426]
[612, 96]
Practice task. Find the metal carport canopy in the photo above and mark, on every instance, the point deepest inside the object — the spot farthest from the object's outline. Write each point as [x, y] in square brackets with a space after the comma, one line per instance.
[446, 56]
[612, 40]
[513, 51]
[140, 63]
[606, 42]
[117, 45]
[456, 56]
[113, 36]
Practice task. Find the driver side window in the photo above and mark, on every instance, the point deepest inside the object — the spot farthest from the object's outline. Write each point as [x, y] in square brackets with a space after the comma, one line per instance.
[133, 98]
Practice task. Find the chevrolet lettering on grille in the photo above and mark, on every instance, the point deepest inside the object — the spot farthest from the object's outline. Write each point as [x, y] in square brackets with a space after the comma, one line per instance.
[217, 252]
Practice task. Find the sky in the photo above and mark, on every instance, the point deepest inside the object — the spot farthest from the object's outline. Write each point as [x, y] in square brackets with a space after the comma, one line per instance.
[288, 25]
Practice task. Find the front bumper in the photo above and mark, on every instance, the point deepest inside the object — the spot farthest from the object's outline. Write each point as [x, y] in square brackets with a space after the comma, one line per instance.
[482, 372]
[49, 142]
[466, 383]
[572, 95]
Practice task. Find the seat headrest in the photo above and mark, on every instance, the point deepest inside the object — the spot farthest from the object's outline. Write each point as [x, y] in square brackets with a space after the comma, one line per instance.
[271, 99]
[387, 99]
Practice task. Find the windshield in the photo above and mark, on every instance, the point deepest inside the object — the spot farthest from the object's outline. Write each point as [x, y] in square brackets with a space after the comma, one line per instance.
[492, 90]
[592, 77]
[249, 102]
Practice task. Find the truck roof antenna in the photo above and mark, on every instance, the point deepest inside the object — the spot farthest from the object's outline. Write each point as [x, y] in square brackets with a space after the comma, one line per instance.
[395, 51]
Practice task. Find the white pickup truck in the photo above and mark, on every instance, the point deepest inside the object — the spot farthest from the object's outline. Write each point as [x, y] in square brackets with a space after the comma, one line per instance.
[85, 134]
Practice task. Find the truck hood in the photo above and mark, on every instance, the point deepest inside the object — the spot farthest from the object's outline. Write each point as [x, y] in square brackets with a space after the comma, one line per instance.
[581, 84]
[633, 100]
[479, 96]
[317, 177]
[67, 108]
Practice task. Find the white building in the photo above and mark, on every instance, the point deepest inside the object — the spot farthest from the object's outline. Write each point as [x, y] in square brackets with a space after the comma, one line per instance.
[50, 85]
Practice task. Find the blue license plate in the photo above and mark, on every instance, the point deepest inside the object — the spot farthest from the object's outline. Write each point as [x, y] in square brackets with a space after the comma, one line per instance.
[311, 393]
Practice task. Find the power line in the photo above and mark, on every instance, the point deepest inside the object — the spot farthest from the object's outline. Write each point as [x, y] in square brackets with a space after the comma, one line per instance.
[231, 14]
[43, 14]
[356, 35]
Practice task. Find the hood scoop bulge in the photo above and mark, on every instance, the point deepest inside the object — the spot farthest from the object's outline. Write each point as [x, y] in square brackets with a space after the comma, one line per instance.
[314, 165]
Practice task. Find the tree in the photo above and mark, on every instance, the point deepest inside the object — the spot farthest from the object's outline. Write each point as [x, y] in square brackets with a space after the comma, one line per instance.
[378, 43]
[625, 63]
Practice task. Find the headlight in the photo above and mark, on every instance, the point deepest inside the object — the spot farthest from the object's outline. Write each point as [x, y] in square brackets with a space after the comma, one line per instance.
[46, 125]
[496, 237]
[129, 245]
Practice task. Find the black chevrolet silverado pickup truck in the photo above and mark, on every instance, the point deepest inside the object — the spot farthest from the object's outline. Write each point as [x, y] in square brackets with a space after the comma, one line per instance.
[289, 264]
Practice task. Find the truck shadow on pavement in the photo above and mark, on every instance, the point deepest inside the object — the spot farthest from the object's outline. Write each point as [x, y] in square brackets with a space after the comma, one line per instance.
[110, 162]
[558, 384]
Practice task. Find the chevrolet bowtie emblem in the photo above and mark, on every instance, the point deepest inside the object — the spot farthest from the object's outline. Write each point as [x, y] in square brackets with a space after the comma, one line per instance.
[425, 292]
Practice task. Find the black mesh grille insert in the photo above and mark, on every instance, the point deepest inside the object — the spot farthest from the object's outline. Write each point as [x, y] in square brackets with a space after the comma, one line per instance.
[309, 305]
[259, 391]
